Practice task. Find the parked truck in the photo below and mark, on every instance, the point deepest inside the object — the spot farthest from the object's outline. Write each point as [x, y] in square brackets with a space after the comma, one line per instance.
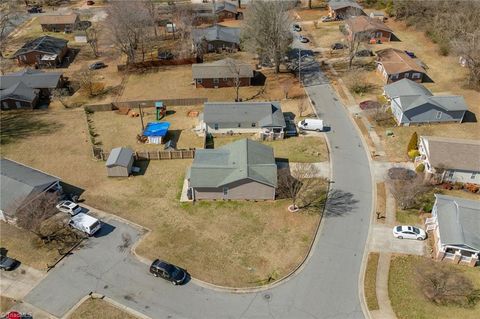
[311, 125]
[85, 223]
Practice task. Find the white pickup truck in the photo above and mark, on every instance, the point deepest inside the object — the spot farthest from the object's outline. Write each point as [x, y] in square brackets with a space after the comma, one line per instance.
[85, 223]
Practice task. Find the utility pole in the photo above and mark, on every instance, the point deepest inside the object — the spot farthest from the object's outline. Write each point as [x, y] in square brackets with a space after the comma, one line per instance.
[140, 106]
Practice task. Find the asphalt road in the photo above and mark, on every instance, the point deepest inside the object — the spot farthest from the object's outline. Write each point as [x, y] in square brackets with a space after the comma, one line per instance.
[327, 286]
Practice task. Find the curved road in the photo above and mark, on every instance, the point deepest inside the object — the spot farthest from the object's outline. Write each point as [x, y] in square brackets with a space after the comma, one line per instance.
[327, 287]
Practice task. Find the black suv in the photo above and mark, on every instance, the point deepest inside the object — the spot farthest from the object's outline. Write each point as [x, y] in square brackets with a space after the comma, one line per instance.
[172, 273]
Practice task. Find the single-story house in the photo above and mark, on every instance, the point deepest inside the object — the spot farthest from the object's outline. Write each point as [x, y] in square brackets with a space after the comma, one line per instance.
[156, 132]
[412, 103]
[24, 89]
[344, 9]
[45, 51]
[119, 162]
[219, 11]
[59, 23]
[223, 73]
[368, 29]
[450, 159]
[455, 224]
[394, 65]
[216, 38]
[21, 184]
[243, 117]
[240, 170]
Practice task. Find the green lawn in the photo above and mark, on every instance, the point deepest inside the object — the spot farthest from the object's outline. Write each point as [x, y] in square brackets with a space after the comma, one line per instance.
[408, 217]
[408, 301]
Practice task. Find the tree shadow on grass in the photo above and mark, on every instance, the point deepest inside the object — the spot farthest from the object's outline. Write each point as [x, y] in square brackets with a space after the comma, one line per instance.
[339, 203]
[19, 125]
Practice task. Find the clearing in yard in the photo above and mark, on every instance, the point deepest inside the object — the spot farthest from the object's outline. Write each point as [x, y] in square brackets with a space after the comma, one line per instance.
[408, 300]
[237, 243]
[371, 281]
[98, 308]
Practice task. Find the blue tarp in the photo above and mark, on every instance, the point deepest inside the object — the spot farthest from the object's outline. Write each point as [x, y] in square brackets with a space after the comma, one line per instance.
[156, 129]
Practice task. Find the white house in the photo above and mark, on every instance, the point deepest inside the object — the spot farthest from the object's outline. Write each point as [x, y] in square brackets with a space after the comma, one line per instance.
[455, 225]
[450, 159]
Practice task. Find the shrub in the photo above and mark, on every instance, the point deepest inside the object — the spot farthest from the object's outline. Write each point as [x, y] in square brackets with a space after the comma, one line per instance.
[413, 153]
[420, 168]
[458, 185]
[472, 187]
[413, 143]
[443, 49]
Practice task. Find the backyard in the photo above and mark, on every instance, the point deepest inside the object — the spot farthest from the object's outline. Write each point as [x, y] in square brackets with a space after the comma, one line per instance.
[407, 298]
[228, 243]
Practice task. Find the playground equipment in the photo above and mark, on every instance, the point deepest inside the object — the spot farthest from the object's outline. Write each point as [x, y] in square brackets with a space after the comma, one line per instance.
[161, 110]
[156, 132]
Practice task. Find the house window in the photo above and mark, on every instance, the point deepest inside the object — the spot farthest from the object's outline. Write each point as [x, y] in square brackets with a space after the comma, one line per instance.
[415, 75]
[378, 34]
[407, 75]
[199, 81]
[239, 124]
[225, 191]
[215, 126]
[18, 104]
[439, 115]
[225, 79]
[450, 174]
[254, 124]
[215, 81]
[5, 105]
[394, 76]
[474, 174]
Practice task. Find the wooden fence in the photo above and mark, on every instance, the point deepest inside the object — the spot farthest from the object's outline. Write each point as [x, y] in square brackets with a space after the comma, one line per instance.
[100, 154]
[155, 63]
[147, 103]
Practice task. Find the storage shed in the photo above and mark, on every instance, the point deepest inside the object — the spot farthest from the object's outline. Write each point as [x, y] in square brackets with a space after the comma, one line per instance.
[119, 162]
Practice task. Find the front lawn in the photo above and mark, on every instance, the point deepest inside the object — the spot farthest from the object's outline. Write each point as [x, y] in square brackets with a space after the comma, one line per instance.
[97, 308]
[370, 284]
[406, 296]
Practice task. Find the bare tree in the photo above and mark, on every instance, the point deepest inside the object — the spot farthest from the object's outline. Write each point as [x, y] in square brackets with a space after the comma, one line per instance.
[467, 46]
[152, 11]
[92, 39]
[36, 211]
[266, 30]
[9, 11]
[354, 41]
[237, 70]
[301, 107]
[183, 18]
[60, 94]
[286, 86]
[87, 81]
[407, 191]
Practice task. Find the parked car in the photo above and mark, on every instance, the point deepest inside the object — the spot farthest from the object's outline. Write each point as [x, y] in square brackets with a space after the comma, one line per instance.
[167, 271]
[297, 28]
[85, 223]
[303, 39]
[369, 104]
[363, 53]
[409, 232]
[69, 207]
[410, 54]
[7, 263]
[166, 55]
[35, 9]
[338, 46]
[97, 65]
[327, 19]
[311, 125]
[291, 128]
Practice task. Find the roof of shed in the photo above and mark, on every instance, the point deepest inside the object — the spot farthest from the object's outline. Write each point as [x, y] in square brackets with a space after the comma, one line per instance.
[119, 156]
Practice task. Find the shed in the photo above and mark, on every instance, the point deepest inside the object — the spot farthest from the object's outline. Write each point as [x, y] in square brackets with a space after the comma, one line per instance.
[119, 162]
[156, 131]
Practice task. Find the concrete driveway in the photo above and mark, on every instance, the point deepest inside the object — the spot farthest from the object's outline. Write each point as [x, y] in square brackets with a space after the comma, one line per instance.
[382, 240]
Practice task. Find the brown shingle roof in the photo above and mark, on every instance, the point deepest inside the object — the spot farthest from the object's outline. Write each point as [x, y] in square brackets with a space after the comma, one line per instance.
[453, 153]
[364, 24]
[397, 61]
[58, 19]
[226, 68]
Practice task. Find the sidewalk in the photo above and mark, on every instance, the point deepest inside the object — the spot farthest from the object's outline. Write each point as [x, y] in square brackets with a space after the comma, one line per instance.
[385, 311]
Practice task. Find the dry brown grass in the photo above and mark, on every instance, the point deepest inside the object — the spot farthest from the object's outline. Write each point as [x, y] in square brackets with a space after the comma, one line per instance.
[229, 243]
[381, 201]
[6, 303]
[97, 308]
[116, 130]
[370, 284]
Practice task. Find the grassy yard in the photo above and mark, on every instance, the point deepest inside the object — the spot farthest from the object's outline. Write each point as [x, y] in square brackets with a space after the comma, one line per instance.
[97, 308]
[409, 302]
[22, 246]
[370, 284]
[408, 217]
[120, 130]
[227, 243]
[6, 303]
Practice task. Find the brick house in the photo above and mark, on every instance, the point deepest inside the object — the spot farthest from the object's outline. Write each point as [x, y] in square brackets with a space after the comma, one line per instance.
[216, 38]
[394, 65]
[368, 29]
[45, 51]
[59, 23]
[223, 73]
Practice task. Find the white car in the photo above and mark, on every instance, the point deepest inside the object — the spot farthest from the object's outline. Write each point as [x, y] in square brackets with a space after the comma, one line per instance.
[409, 232]
[69, 207]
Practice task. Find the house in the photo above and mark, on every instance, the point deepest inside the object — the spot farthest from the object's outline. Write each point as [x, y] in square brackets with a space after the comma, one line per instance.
[450, 159]
[394, 65]
[26, 88]
[368, 30]
[412, 103]
[240, 170]
[119, 162]
[344, 9]
[455, 224]
[264, 118]
[59, 23]
[216, 38]
[218, 11]
[223, 73]
[21, 184]
[45, 51]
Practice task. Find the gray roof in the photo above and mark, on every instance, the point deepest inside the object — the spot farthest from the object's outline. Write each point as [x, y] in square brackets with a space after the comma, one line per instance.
[45, 44]
[264, 114]
[119, 156]
[226, 5]
[19, 91]
[413, 95]
[243, 159]
[226, 68]
[217, 32]
[35, 79]
[339, 4]
[19, 182]
[458, 221]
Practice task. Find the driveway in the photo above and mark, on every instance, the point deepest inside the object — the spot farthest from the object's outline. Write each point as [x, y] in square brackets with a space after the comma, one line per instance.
[383, 241]
[326, 287]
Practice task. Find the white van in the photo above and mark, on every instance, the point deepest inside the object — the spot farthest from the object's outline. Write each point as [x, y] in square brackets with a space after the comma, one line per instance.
[85, 223]
[311, 125]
